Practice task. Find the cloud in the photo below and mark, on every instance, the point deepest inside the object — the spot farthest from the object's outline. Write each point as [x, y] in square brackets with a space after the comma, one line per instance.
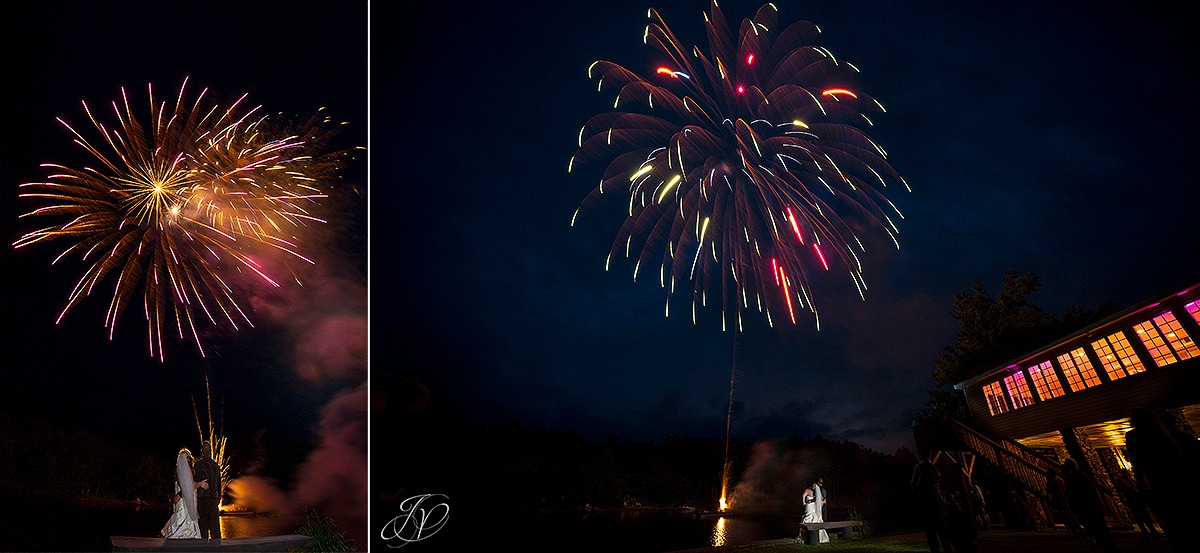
[325, 317]
[333, 472]
[772, 481]
[334, 346]
[332, 479]
[258, 493]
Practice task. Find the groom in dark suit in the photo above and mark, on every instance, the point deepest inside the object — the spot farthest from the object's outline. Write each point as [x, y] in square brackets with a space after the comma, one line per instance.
[208, 495]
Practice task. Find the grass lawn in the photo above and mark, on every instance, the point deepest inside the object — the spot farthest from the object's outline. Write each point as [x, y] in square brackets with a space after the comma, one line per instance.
[899, 543]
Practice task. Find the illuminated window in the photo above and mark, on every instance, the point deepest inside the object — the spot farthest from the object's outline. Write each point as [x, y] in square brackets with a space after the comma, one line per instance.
[1166, 339]
[1018, 390]
[1117, 356]
[1155, 342]
[1078, 370]
[1045, 380]
[1194, 309]
[995, 398]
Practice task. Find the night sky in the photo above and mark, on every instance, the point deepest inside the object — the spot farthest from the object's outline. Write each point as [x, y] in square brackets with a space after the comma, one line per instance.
[1049, 139]
[1052, 139]
[289, 393]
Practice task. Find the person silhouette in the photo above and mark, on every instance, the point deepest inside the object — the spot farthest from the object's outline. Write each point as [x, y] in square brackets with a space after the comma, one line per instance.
[208, 496]
[1127, 489]
[930, 504]
[1083, 497]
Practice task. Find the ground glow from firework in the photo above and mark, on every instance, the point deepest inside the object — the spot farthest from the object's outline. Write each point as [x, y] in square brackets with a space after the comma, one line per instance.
[745, 170]
[182, 203]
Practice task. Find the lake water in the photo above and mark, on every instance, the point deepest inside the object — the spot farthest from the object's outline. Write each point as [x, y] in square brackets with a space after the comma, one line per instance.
[65, 527]
[56, 527]
[601, 532]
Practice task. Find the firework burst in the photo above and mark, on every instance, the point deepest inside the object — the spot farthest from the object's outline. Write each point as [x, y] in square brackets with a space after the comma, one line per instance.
[180, 204]
[745, 169]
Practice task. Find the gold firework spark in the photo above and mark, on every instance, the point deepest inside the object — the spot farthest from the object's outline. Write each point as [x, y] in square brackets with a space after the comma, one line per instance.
[181, 203]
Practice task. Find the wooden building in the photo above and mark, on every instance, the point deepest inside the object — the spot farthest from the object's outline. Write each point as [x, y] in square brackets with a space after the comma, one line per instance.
[1072, 399]
[1143, 356]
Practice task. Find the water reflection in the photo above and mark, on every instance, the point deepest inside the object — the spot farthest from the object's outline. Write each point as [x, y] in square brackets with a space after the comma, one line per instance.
[251, 526]
[718, 533]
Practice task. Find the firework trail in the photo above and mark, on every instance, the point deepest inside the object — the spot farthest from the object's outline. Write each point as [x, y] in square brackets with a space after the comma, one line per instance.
[215, 438]
[744, 169]
[181, 203]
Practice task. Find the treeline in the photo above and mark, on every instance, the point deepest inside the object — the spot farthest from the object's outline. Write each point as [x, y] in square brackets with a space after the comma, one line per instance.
[994, 328]
[40, 460]
[514, 466]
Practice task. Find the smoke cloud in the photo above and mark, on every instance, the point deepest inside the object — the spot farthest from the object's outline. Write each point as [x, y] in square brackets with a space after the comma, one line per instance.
[260, 494]
[773, 480]
[327, 323]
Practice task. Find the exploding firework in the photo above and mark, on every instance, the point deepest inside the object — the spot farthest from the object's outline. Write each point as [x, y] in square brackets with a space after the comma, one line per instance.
[745, 170]
[181, 204]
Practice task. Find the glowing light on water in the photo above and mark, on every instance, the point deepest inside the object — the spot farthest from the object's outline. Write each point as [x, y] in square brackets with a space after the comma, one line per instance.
[720, 534]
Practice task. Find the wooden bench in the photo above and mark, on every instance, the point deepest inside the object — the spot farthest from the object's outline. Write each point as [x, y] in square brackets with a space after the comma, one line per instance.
[812, 534]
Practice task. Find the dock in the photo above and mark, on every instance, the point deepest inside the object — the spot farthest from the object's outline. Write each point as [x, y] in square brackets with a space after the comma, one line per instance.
[280, 544]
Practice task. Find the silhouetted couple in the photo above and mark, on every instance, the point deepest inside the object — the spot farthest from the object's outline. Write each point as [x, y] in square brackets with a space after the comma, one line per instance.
[197, 497]
[815, 509]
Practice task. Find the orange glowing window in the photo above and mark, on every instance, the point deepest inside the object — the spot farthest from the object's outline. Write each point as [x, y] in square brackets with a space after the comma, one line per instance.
[1165, 339]
[1078, 370]
[1018, 390]
[995, 398]
[1179, 339]
[1117, 356]
[1194, 309]
[1045, 380]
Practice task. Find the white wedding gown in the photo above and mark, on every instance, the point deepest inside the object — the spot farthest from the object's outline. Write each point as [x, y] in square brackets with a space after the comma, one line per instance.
[183, 523]
[812, 513]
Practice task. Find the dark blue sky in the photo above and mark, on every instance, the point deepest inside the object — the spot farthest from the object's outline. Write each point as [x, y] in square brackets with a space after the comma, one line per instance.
[1047, 139]
[1051, 139]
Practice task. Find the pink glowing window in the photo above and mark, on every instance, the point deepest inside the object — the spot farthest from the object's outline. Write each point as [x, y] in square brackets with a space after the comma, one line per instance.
[1166, 340]
[1117, 356]
[1018, 390]
[1078, 369]
[1045, 380]
[995, 398]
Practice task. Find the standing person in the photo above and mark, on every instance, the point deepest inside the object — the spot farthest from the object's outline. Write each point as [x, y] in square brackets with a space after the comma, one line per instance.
[1083, 497]
[208, 495]
[1161, 470]
[1187, 478]
[979, 507]
[960, 525]
[1057, 488]
[824, 498]
[811, 498]
[184, 516]
[1126, 487]
[930, 504]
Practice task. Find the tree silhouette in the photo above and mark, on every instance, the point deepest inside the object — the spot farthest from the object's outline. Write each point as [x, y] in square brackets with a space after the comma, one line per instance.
[995, 329]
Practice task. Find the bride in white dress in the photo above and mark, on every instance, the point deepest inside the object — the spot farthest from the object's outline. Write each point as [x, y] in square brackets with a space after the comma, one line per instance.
[183, 523]
[813, 498]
